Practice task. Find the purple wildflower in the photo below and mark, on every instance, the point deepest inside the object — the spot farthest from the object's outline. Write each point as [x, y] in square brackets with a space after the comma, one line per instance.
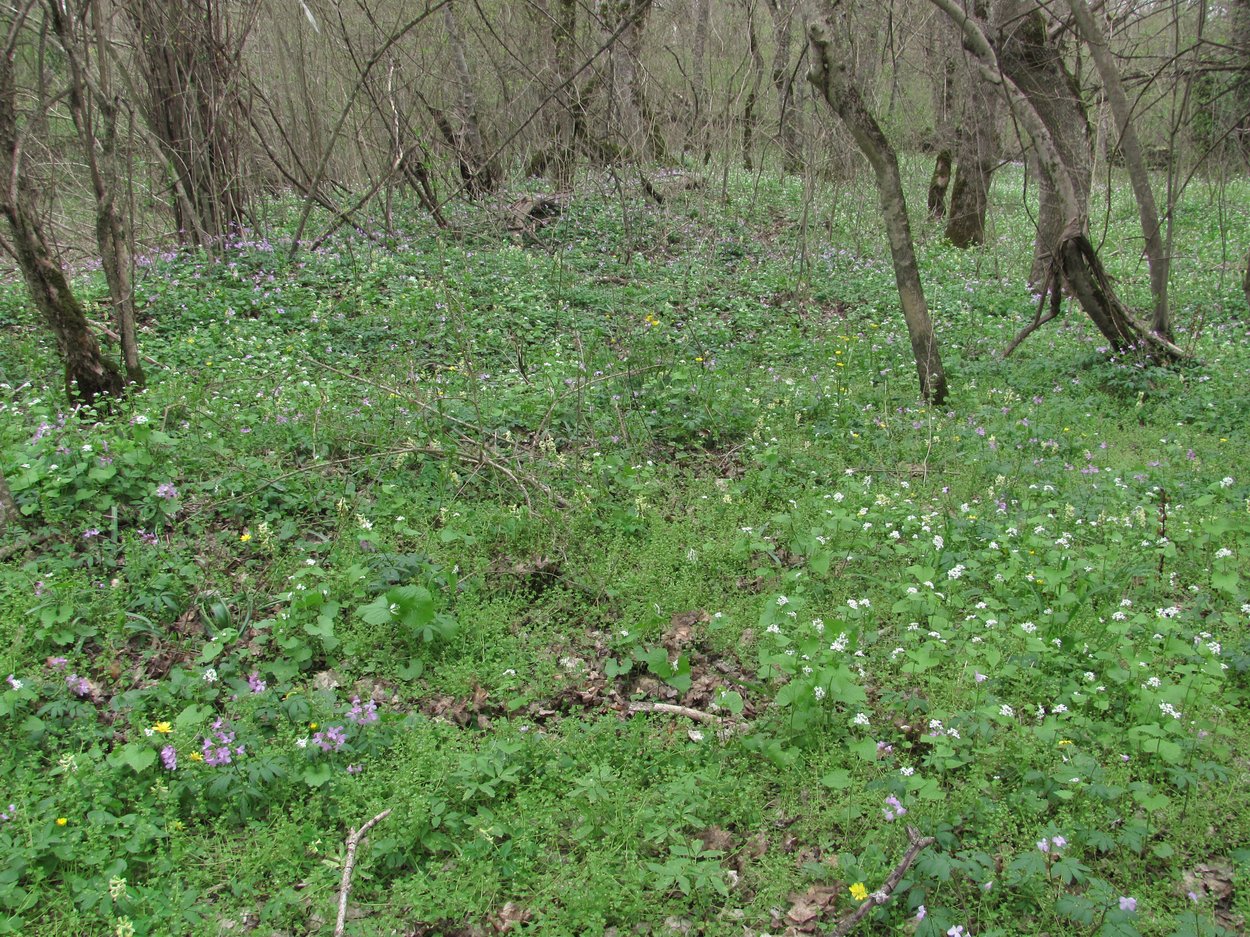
[79, 686]
[57, 663]
[14, 682]
[921, 912]
[216, 747]
[331, 740]
[254, 682]
[1128, 904]
[167, 491]
[362, 714]
[169, 758]
[9, 813]
[90, 532]
[355, 769]
[893, 809]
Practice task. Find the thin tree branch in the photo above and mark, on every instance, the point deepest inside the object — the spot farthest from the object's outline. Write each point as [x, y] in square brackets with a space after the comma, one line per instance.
[349, 866]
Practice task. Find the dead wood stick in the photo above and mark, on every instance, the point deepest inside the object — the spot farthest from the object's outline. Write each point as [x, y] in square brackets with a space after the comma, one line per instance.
[916, 845]
[349, 865]
[675, 710]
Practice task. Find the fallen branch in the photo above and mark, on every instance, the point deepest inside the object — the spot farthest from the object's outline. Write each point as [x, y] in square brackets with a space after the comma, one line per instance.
[674, 710]
[349, 866]
[916, 845]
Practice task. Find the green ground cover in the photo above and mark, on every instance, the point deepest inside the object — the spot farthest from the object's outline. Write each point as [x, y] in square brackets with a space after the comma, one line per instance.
[429, 523]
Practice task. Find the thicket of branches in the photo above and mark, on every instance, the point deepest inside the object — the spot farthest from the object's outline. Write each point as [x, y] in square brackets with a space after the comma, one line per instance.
[140, 122]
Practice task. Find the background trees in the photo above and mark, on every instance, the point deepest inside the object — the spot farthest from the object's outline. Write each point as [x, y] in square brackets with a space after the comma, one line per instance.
[190, 117]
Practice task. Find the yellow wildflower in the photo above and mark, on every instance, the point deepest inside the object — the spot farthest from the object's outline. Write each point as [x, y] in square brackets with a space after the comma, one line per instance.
[164, 728]
[858, 891]
[245, 536]
[196, 756]
[61, 821]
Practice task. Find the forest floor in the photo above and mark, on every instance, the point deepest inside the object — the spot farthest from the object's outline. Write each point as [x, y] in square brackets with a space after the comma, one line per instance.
[618, 561]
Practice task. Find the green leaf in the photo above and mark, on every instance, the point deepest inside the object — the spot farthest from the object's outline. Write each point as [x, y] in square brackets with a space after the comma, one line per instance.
[191, 717]
[137, 755]
[318, 774]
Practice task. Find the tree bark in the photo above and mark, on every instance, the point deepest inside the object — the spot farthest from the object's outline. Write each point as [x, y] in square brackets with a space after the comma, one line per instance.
[190, 57]
[753, 89]
[938, 184]
[88, 374]
[563, 38]
[478, 172]
[8, 507]
[831, 79]
[789, 120]
[1130, 147]
[100, 150]
[1072, 257]
[630, 114]
[1245, 282]
[1029, 57]
[1241, 89]
[976, 154]
[976, 157]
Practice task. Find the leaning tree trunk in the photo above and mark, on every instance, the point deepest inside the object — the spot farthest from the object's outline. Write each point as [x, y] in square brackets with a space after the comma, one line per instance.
[88, 374]
[831, 78]
[100, 152]
[1031, 60]
[1130, 147]
[1073, 259]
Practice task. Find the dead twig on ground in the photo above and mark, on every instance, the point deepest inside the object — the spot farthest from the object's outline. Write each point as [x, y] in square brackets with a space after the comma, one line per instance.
[641, 706]
[349, 866]
[916, 844]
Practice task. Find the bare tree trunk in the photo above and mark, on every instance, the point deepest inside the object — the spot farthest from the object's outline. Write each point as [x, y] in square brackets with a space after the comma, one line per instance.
[753, 90]
[190, 56]
[1073, 259]
[976, 156]
[938, 184]
[564, 37]
[88, 374]
[1241, 89]
[1028, 56]
[830, 76]
[629, 112]
[479, 173]
[1245, 282]
[8, 507]
[789, 120]
[1130, 147]
[698, 78]
[100, 150]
